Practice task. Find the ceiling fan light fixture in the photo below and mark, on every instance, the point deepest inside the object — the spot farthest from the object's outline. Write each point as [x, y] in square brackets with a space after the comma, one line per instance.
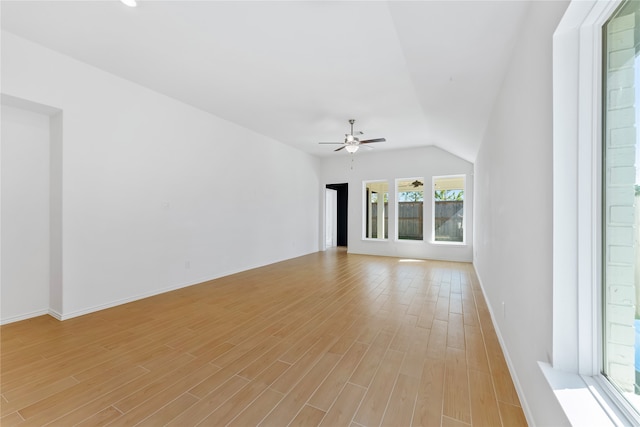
[351, 143]
[130, 3]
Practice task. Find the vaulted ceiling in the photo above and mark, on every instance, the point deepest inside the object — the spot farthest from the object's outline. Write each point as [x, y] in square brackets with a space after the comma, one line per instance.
[415, 72]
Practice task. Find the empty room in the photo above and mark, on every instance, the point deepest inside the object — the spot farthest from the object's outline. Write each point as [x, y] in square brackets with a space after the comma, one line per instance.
[303, 213]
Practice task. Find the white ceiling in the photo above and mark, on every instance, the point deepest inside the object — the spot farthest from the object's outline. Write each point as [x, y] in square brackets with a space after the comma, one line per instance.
[415, 72]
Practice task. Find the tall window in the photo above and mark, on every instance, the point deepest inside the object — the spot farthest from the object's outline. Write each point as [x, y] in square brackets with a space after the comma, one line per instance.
[448, 208]
[410, 212]
[376, 210]
[621, 197]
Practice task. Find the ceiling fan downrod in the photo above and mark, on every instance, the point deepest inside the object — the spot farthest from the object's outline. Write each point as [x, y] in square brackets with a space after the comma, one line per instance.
[350, 139]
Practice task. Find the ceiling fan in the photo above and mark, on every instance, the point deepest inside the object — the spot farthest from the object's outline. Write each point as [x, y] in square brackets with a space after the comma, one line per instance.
[351, 142]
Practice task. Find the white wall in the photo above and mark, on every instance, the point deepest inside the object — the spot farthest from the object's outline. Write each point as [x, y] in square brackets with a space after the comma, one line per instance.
[24, 282]
[156, 194]
[389, 165]
[513, 212]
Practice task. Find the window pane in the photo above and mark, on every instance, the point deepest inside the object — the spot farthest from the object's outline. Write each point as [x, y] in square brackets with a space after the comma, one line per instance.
[621, 184]
[376, 201]
[448, 209]
[410, 196]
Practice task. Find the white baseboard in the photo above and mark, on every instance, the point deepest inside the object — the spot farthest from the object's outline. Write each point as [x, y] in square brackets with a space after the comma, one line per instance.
[99, 307]
[24, 316]
[70, 315]
[519, 389]
[54, 314]
[65, 316]
[93, 309]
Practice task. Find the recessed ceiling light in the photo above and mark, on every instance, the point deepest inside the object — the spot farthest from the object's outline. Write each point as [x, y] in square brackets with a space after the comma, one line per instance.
[130, 3]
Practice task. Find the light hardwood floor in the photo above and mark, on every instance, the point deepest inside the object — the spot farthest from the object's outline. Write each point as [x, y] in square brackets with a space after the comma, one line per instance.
[326, 339]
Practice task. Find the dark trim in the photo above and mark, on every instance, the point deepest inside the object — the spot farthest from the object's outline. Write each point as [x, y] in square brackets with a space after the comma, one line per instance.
[343, 205]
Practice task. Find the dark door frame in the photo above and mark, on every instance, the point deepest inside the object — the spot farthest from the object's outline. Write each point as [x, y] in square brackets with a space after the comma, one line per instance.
[343, 208]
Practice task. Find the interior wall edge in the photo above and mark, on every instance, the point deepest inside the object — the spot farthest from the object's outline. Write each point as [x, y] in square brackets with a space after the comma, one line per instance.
[53, 313]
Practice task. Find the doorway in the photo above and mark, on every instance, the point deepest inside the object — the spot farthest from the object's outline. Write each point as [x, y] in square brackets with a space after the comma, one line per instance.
[31, 213]
[337, 219]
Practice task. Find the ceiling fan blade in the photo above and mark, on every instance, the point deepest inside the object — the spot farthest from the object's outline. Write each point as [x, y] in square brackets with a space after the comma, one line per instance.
[330, 142]
[369, 141]
[338, 149]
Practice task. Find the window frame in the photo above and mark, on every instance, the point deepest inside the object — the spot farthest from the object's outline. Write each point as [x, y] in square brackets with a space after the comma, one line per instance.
[364, 211]
[397, 211]
[615, 380]
[433, 211]
[577, 359]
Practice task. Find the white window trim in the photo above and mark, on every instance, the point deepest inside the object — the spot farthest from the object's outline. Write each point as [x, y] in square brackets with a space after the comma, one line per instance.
[585, 395]
[433, 212]
[439, 242]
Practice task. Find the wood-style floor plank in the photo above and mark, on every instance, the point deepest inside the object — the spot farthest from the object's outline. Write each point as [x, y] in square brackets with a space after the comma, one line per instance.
[258, 409]
[375, 401]
[308, 416]
[324, 395]
[329, 339]
[399, 411]
[295, 400]
[430, 397]
[169, 411]
[484, 406]
[456, 387]
[345, 406]
[11, 419]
